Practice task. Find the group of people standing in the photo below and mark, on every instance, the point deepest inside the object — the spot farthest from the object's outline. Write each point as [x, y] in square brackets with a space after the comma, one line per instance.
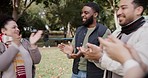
[99, 54]
[96, 53]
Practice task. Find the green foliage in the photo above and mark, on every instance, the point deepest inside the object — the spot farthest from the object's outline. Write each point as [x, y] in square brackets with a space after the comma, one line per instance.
[32, 21]
[5, 7]
[63, 11]
[58, 13]
[69, 11]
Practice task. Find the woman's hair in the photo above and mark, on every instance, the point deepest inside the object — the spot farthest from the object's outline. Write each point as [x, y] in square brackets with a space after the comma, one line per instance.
[4, 20]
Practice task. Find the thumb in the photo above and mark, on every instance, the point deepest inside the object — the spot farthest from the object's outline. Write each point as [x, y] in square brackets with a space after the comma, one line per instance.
[92, 46]
[103, 42]
[32, 34]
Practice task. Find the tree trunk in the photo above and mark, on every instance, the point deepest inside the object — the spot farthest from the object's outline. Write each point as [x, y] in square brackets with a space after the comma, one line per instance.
[15, 14]
[16, 4]
[15, 9]
[116, 20]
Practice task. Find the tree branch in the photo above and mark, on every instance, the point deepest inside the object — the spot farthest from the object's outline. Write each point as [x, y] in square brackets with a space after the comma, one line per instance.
[25, 8]
[111, 3]
[25, 3]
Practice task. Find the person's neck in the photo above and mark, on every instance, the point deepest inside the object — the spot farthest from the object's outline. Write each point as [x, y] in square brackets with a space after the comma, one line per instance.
[133, 21]
[92, 25]
[133, 26]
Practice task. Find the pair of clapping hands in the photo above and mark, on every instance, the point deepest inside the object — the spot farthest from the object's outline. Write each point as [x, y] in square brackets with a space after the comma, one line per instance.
[111, 45]
[115, 49]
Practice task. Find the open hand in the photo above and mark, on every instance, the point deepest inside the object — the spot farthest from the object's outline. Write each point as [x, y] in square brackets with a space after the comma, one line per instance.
[115, 49]
[66, 48]
[34, 37]
[93, 52]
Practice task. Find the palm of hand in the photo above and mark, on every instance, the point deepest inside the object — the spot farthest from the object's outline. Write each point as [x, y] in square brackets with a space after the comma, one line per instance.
[68, 49]
[117, 52]
[35, 37]
[94, 53]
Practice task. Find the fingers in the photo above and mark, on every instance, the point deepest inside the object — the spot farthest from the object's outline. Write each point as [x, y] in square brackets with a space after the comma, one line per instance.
[81, 49]
[92, 46]
[61, 45]
[32, 34]
[40, 32]
[103, 42]
[20, 35]
[69, 42]
[73, 55]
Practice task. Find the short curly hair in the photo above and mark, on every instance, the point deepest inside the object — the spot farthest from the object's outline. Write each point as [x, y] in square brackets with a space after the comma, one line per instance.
[94, 6]
[4, 20]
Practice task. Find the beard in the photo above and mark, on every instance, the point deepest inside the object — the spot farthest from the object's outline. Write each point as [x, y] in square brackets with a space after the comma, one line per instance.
[88, 22]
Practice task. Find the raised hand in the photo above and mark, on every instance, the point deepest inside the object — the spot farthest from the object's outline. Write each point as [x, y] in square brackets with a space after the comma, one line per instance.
[115, 49]
[93, 52]
[76, 55]
[66, 48]
[34, 37]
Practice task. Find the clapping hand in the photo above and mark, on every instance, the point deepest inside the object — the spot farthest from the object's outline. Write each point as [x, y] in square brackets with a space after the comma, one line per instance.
[34, 37]
[115, 49]
[93, 52]
[69, 50]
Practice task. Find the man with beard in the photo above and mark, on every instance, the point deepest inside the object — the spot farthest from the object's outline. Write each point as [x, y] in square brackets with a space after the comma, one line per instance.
[88, 32]
[133, 32]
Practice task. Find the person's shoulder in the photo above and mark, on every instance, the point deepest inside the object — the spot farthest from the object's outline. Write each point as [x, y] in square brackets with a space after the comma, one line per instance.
[145, 25]
[101, 27]
[25, 41]
[79, 28]
[146, 22]
[99, 24]
[116, 32]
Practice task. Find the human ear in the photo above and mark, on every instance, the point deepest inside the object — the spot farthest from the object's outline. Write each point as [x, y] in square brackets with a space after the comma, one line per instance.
[95, 14]
[3, 30]
[139, 10]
